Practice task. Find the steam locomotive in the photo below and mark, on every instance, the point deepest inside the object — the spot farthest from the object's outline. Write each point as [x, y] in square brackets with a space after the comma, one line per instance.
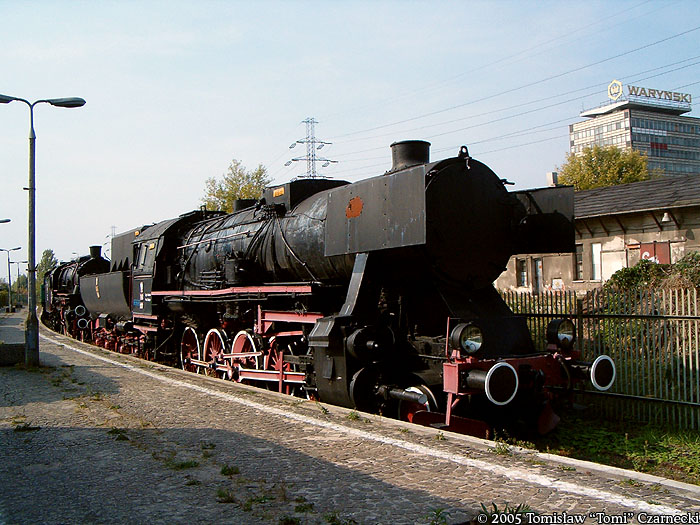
[375, 295]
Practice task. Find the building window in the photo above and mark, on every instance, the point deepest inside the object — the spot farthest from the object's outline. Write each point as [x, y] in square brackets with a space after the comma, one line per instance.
[578, 263]
[596, 262]
[521, 272]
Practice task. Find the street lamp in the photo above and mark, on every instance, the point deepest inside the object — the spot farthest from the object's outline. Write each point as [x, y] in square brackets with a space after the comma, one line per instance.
[17, 280]
[9, 277]
[31, 355]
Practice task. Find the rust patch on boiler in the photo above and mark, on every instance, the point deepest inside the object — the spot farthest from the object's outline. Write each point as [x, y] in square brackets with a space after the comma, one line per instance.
[354, 208]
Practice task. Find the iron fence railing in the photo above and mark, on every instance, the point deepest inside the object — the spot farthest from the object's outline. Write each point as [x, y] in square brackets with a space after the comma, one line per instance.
[652, 335]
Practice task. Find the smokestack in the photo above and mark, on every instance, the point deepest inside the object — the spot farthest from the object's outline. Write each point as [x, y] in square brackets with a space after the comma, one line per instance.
[409, 153]
[95, 252]
[552, 179]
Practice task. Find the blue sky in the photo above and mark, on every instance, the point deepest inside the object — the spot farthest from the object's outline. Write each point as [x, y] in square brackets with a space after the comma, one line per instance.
[176, 90]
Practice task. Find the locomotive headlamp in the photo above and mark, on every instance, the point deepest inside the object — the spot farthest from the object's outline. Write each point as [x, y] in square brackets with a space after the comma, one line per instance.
[467, 337]
[561, 332]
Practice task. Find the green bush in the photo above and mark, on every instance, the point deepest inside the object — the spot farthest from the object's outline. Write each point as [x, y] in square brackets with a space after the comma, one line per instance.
[647, 274]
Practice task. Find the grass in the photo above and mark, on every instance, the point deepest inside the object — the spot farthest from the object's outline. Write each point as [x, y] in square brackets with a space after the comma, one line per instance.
[437, 517]
[334, 518]
[226, 496]
[181, 465]
[227, 470]
[665, 452]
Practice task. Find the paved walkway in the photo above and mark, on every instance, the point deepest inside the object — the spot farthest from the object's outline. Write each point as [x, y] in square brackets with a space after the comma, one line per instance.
[12, 337]
[97, 437]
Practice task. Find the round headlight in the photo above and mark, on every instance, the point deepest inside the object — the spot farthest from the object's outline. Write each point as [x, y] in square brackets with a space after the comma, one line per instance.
[466, 337]
[561, 332]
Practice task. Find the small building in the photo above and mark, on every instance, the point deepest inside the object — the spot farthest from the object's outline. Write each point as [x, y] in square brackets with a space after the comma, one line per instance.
[616, 226]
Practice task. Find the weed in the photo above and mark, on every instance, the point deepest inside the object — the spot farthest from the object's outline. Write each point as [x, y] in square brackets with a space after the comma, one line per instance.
[333, 518]
[191, 482]
[289, 520]
[567, 468]
[225, 496]
[114, 407]
[440, 436]
[25, 427]
[523, 508]
[437, 517]
[502, 449]
[181, 465]
[206, 445]
[248, 505]
[504, 437]
[304, 507]
[323, 409]
[227, 470]
[353, 416]
[632, 483]
[207, 454]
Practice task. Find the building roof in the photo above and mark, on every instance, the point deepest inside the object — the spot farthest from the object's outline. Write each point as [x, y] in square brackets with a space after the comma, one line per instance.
[657, 106]
[661, 193]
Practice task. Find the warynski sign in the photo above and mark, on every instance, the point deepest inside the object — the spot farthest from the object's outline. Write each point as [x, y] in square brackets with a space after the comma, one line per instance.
[615, 92]
[659, 94]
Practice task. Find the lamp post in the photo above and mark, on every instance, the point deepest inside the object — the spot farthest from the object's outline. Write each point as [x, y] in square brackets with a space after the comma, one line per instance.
[17, 280]
[31, 355]
[9, 277]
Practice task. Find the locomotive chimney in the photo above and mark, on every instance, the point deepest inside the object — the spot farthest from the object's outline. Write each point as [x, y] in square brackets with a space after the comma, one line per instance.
[95, 252]
[409, 153]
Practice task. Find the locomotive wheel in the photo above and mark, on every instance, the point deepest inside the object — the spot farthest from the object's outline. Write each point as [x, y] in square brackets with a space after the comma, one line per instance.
[276, 362]
[244, 341]
[407, 409]
[275, 359]
[190, 349]
[214, 346]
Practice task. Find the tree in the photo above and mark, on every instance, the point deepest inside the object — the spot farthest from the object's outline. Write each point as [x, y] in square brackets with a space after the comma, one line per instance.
[237, 183]
[599, 166]
[19, 289]
[47, 263]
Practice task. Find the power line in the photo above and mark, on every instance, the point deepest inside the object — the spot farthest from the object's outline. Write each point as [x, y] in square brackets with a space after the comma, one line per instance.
[490, 112]
[567, 35]
[523, 86]
[431, 137]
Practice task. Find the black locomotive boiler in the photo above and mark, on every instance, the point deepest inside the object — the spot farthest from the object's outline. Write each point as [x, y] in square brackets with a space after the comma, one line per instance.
[375, 295]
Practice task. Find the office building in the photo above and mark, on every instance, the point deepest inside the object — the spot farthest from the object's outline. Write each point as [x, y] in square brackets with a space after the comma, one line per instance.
[651, 121]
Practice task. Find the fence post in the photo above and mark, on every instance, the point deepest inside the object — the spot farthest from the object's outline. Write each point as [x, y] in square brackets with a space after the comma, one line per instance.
[579, 325]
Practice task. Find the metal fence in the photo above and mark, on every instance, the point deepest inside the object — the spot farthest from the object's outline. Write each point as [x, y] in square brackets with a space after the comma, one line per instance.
[653, 337]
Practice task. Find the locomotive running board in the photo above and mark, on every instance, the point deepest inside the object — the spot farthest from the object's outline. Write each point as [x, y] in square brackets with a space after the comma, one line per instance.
[235, 291]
